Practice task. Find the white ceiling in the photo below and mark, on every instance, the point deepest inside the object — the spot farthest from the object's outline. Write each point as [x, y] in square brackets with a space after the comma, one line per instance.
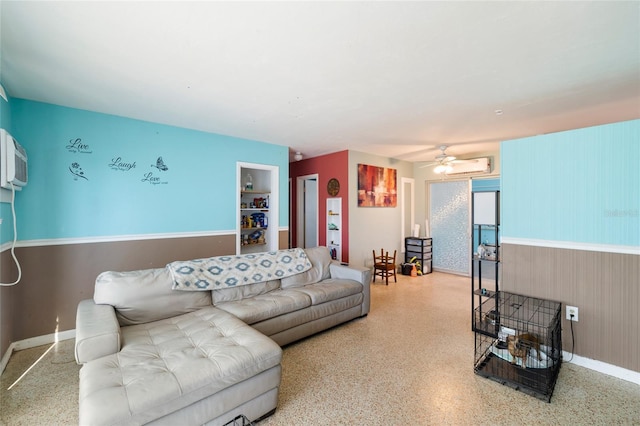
[395, 79]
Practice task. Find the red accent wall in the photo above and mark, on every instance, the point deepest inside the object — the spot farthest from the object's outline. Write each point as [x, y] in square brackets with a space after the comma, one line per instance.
[328, 166]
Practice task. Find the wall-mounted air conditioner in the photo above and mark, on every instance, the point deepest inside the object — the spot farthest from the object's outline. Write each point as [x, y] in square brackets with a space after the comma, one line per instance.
[476, 165]
[13, 162]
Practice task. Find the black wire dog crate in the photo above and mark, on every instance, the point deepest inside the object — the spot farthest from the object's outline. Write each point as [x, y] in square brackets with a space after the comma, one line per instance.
[518, 342]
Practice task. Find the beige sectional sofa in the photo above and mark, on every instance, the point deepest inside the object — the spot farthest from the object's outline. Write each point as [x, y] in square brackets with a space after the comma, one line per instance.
[157, 353]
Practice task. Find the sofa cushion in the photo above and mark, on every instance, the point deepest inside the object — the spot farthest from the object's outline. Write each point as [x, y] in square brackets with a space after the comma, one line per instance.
[220, 295]
[170, 364]
[320, 260]
[267, 305]
[329, 290]
[145, 295]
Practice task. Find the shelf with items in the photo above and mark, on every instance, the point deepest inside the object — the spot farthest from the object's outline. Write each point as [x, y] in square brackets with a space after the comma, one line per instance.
[257, 217]
[334, 227]
[250, 201]
[484, 292]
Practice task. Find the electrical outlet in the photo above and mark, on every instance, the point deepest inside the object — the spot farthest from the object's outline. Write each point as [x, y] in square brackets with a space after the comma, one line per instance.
[572, 313]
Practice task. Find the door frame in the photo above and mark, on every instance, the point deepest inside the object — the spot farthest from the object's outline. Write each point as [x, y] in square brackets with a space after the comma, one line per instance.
[274, 203]
[300, 209]
[412, 195]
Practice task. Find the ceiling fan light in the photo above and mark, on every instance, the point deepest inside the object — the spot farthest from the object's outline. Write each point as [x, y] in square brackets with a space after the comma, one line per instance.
[441, 168]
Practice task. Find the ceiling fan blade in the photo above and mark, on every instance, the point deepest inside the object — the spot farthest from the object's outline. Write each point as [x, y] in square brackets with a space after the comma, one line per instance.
[433, 163]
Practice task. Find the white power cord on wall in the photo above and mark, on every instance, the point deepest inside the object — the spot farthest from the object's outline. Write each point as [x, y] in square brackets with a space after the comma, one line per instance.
[15, 238]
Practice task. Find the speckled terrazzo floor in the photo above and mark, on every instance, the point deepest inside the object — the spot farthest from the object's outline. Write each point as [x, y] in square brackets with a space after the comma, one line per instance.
[410, 361]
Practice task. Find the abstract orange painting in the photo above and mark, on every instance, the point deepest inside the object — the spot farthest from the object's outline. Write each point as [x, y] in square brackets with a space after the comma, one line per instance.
[377, 186]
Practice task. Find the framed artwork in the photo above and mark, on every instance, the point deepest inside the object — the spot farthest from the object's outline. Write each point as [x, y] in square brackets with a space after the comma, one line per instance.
[377, 186]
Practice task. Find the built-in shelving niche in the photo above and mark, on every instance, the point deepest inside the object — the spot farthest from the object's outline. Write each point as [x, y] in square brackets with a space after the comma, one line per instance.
[257, 208]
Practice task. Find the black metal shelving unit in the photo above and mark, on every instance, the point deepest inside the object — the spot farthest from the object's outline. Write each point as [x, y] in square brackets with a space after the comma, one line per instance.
[485, 263]
[422, 249]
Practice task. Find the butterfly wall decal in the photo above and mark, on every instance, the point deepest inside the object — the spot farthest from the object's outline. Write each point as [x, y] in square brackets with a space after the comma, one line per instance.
[160, 165]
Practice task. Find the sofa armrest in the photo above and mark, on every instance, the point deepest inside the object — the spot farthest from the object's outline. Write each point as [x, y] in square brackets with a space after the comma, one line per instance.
[97, 331]
[361, 275]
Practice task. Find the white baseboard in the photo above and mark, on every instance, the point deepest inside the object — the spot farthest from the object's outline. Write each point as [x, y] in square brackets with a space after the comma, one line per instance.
[602, 367]
[35, 341]
[5, 357]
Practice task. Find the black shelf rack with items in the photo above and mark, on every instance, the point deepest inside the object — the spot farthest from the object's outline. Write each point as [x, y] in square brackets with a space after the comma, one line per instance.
[485, 261]
[422, 249]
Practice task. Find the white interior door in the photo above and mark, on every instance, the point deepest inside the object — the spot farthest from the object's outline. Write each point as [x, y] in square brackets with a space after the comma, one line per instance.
[449, 211]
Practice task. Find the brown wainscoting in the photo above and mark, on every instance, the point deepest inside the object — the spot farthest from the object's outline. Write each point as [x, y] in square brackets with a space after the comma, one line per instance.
[604, 286]
[7, 297]
[56, 277]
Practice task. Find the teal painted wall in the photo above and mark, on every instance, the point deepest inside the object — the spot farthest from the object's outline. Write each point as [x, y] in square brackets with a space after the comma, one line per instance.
[577, 186]
[6, 228]
[78, 189]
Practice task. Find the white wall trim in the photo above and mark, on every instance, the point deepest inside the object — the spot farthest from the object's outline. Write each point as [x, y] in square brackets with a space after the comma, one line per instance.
[571, 245]
[114, 238]
[119, 238]
[5, 357]
[33, 342]
[602, 367]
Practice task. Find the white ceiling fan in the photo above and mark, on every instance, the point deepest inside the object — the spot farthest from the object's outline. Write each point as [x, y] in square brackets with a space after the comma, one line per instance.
[444, 163]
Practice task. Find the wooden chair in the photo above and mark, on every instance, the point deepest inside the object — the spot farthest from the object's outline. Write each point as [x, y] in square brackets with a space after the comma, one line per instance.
[384, 265]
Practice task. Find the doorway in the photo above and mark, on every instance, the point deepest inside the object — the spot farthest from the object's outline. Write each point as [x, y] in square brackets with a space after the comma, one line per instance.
[449, 215]
[307, 211]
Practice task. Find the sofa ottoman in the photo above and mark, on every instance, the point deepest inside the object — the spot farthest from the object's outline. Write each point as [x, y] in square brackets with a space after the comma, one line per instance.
[187, 369]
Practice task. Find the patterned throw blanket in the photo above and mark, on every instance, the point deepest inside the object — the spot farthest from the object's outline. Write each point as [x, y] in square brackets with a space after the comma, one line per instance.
[233, 271]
